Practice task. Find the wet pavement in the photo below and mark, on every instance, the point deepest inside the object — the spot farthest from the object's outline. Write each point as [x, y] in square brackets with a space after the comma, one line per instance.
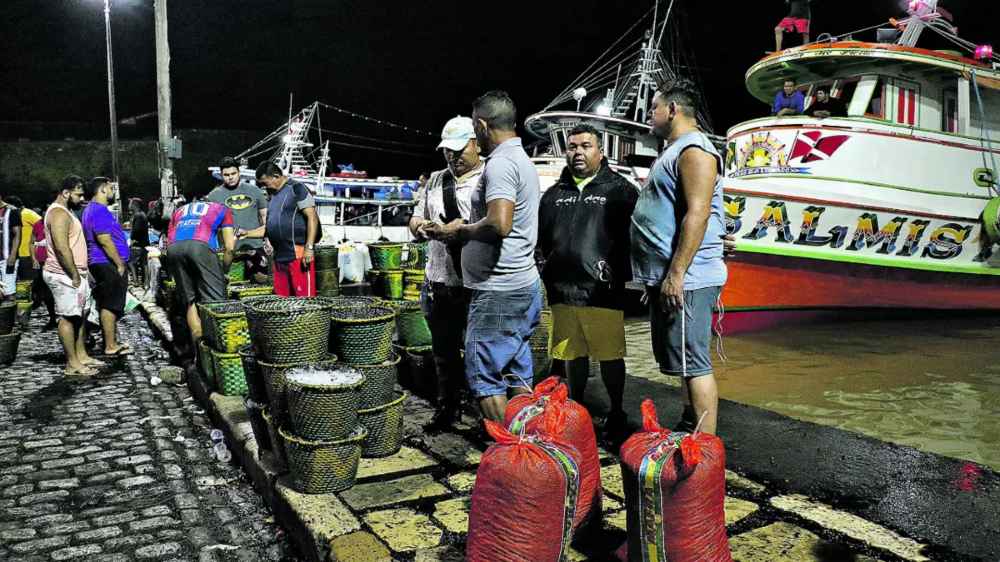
[114, 468]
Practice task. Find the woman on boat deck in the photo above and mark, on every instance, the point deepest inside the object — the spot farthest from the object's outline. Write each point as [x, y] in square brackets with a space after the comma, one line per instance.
[292, 228]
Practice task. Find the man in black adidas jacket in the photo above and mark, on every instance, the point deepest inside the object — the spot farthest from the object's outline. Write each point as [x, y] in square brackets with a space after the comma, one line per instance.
[583, 238]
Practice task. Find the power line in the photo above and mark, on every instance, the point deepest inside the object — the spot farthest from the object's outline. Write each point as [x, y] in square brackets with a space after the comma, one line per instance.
[376, 121]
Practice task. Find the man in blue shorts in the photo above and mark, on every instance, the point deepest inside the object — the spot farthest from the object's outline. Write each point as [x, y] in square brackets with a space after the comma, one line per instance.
[498, 263]
[677, 248]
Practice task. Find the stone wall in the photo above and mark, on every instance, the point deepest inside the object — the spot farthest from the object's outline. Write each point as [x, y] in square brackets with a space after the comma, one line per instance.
[33, 170]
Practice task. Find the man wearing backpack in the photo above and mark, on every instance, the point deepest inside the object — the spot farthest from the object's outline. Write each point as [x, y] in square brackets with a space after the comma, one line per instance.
[447, 196]
[292, 228]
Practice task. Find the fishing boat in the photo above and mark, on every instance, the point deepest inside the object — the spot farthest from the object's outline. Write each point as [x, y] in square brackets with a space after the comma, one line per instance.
[613, 94]
[351, 206]
[890, 207]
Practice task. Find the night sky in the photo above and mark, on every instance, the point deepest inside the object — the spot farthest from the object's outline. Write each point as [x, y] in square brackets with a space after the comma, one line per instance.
[234, 62]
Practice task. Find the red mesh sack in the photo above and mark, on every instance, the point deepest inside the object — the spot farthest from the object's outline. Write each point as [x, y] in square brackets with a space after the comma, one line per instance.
[525, 497]
[675, 490]
[524, 413]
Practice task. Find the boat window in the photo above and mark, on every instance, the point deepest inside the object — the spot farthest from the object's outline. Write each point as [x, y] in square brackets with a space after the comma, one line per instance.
[991, 107]
[876, 108]
[949, 117]
[907, 102]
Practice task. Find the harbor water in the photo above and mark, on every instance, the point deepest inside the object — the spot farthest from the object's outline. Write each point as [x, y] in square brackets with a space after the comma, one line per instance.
[932, 383]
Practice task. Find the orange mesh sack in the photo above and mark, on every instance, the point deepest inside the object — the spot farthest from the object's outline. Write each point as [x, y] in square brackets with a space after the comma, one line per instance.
[525, 497]
[524, 413]
[675, 490]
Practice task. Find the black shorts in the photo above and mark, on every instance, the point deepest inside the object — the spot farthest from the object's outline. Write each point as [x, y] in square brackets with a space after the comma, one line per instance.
[197, 271]
[26, 269]
[109, 288]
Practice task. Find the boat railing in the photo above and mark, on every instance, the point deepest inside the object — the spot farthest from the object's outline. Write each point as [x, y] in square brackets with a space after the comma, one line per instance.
[363, 219]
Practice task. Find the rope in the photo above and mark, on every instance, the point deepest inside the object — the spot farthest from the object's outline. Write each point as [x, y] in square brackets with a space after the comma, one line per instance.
[376, 121]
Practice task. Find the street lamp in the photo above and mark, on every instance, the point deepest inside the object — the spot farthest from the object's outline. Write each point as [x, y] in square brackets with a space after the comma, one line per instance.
[111, 92]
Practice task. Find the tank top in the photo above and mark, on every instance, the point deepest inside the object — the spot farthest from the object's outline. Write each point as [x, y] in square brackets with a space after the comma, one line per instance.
[77, 243]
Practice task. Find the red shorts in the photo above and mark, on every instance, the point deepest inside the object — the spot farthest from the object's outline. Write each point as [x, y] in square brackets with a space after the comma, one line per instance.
[795, 24]
[292, 280]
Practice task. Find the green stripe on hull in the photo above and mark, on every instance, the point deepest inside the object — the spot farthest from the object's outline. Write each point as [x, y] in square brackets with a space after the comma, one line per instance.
[798, 252]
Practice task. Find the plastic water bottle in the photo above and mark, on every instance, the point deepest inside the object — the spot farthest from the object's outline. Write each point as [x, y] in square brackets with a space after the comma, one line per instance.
[217, 436]
[222, 452]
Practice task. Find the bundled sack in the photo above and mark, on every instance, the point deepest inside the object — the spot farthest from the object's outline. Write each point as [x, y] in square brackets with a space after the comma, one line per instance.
[525, 496]
[524, 414]
[675, 490]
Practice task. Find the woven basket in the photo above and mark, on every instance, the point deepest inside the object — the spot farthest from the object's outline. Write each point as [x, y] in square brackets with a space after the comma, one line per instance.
[8, 317]
[274, 383]
[243, 291]
[322, 412]
[540, 337]
[8, 347]
[237, 271]
[24, 307]
[328, 282]
[224, 325]
[206, 364]
[363, 335]
[380, 382]
[411, 325]
[541, 362]
[416, 257]
[324, 467]
[277, 441]
[386, 255]
[385, 427]
[255, 411]
[290, 330]
[417, 373]
[350, 302]
[256, 387]
[228, 371]
[327, 257]
[413, 280]
[23, 292]
[392, 283]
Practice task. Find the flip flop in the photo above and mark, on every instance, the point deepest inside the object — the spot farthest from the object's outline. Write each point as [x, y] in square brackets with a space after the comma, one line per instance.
[84, 371]
[122, 351]
[96, 363]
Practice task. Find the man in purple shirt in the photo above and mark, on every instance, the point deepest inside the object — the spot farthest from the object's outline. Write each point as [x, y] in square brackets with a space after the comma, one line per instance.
[107, 258]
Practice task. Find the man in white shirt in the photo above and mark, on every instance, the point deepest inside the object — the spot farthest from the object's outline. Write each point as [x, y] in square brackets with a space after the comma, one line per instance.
[447, 196]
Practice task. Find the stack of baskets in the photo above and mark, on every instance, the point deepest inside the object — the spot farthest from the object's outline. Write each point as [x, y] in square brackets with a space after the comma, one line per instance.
[225, 332]
[10, 336]
[23, 298]
[327, 271]
[386, 275]
[362, 338]
[413, 276]
[540, 357]
[241, 290]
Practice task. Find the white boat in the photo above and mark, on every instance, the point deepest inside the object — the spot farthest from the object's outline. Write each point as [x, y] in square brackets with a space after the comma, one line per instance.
[351, 206]
[881, 208]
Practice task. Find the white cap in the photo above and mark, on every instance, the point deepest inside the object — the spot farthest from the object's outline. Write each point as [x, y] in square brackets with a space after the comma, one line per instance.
[456, 133]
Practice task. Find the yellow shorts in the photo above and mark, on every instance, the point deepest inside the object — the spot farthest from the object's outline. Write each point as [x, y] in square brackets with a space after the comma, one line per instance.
[587, 331]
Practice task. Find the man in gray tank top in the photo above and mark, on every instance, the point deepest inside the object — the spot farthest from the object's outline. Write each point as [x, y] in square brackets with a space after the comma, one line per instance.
[677, 247]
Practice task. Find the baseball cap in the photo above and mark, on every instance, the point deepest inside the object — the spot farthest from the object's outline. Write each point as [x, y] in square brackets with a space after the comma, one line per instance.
[456, 133]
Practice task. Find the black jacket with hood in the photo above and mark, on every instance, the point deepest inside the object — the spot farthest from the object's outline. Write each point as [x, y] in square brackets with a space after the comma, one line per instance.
[583, 238]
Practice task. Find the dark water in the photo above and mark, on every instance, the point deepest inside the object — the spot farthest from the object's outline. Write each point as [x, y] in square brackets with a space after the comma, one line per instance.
[931, 383]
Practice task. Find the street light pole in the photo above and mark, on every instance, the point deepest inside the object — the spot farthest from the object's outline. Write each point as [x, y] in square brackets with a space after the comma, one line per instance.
[164, 156]
[111, 92]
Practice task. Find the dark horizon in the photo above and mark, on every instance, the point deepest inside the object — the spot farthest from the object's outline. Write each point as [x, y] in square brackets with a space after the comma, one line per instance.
[235, 63]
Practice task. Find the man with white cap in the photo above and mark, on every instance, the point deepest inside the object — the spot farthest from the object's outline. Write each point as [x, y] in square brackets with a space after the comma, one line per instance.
[447, 196]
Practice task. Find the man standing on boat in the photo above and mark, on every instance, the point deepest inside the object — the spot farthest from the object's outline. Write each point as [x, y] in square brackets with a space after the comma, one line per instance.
[445, 197]
[498, 263]
[797, 20]
[583, 235]
[788, 101]
[249, 206]
[677, 248]
[826, 106]
[291, 227]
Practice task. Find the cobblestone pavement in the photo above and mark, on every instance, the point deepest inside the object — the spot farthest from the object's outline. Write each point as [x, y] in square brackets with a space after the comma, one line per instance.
[115, 468]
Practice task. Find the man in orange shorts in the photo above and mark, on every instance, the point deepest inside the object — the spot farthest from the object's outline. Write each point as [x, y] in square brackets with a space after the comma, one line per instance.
[797, 20]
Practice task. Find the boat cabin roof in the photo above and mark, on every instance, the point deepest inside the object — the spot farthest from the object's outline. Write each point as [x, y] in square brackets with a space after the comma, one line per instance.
[823, 61]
